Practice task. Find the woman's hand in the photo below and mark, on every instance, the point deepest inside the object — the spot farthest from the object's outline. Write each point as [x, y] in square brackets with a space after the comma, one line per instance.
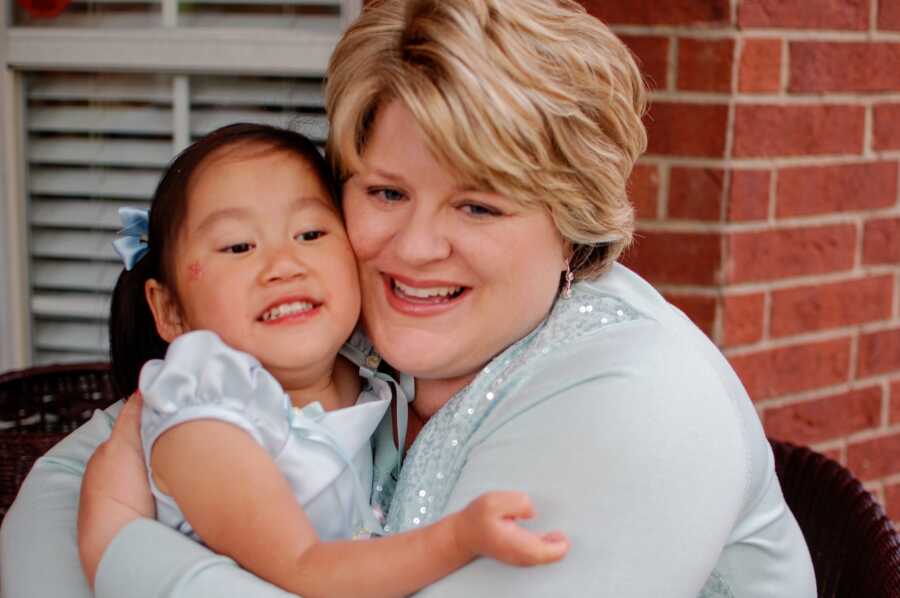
[115, 490]
[488, 527]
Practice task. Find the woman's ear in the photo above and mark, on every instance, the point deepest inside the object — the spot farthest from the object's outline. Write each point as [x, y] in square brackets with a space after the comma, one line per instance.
[166, 312]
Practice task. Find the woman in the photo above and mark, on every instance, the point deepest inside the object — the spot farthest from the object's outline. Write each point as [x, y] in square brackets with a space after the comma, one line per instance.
[486, 146]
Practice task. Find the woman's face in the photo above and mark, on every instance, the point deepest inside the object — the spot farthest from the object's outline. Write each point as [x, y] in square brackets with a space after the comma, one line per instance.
[450, 275]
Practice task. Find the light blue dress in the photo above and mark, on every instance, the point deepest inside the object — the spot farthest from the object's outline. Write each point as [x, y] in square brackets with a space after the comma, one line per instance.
[625, 425]
[326, 457]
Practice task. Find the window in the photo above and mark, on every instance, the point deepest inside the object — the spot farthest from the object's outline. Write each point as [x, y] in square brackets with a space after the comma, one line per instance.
[107, 93]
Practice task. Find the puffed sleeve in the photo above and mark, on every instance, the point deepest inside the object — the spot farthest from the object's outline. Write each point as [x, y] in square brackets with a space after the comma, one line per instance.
[203, 378]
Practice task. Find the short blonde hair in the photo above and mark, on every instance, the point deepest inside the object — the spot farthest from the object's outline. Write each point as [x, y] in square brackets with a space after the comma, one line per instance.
[534, 99]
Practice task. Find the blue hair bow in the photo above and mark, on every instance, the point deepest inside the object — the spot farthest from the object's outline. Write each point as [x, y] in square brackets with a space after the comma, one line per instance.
[132, 242]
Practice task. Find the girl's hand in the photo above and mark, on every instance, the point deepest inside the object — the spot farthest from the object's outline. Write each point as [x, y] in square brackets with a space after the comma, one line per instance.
[115, 490]
[488, 527]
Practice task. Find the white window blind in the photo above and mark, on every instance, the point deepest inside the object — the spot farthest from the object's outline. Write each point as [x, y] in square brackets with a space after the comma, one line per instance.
[99, 141]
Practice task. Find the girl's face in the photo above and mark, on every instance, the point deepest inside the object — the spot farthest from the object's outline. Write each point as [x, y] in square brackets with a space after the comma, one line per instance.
[450, 275]
[263, 260]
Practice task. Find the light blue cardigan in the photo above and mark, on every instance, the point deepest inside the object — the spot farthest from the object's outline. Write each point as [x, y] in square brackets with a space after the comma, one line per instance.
[622, 421]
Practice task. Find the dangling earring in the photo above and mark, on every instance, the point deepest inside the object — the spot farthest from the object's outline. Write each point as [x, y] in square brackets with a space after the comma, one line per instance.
[567, 289]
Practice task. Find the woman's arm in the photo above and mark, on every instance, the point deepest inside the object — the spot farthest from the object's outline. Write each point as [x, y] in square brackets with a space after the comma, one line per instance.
[237, 501]
[38, 548]
[643, 468]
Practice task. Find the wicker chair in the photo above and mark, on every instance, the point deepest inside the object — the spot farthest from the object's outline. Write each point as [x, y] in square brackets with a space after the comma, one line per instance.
[38, 407]
[855, 549]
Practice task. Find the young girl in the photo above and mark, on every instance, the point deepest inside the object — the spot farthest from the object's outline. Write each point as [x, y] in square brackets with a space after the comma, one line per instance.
[247, 285]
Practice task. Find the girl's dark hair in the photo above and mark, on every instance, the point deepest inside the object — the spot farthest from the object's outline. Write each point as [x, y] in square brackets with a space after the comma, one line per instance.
[133, 339]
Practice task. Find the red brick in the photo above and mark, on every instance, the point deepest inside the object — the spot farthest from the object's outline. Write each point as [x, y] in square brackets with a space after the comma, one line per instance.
[833, 454]
[840, 66]
[881, 241]
[742, 319]
[889, 19]
[768, 130]
[775, 254]
[892, 501]
[696, 193]
[874, 458]
[749, 196]
[775, 372]
[886, 129]
[822, 306]
[643, 187]
[895, 402]
[678, 129]
[676, 258]
[705, 64]
[760, 66]
[799, 14]
[700, 309]
[879, 353]
[826, 418]
[652, 57]
[653, 12]
[825, 189]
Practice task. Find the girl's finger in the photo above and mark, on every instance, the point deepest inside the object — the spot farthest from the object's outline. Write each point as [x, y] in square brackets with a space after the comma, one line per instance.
[514, 505]
[534, 549]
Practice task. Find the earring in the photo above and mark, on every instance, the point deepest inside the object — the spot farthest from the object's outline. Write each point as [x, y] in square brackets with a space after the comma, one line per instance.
[567, 289]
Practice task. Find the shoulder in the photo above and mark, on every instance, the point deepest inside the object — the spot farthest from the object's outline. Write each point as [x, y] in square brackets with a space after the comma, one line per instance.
[203, 378]
[620, 359]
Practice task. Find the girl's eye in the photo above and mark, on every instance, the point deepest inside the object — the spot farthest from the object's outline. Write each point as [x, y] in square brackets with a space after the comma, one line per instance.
[479, 210]
[386, 194]
[310, 235]
[238, 248]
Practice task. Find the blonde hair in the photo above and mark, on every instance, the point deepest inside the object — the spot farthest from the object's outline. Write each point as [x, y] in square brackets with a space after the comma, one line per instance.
[533, 99]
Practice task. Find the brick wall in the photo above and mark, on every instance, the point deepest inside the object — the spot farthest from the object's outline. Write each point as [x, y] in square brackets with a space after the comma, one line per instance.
[768, 205]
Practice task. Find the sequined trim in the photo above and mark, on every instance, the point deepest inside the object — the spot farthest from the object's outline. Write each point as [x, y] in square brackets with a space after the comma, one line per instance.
[716, 587]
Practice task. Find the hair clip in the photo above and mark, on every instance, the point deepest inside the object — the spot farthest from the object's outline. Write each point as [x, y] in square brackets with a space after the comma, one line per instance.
[132, 242]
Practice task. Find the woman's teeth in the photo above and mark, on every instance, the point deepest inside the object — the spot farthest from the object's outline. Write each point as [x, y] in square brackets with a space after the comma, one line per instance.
[427, 293]
[286, 309]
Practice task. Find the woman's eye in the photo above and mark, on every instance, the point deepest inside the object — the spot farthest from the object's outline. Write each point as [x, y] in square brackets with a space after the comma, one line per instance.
[475, 209]
[387, 194]
[238, 248]
[310, 235]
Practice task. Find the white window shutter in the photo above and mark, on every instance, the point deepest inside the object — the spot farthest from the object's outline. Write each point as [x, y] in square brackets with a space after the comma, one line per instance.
[94, 143]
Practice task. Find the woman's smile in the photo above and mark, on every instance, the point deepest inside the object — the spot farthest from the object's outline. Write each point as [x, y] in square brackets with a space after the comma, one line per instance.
[423, 297]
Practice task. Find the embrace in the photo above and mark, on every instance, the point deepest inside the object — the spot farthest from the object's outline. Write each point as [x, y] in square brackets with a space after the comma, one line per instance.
[413, 365]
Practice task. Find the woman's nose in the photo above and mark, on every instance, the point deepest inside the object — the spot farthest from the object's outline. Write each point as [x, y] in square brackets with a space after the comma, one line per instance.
[282, 263]
[423, 239]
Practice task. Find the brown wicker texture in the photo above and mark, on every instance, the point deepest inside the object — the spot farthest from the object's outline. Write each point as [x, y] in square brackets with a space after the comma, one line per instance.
[855, 549]
[38, 407]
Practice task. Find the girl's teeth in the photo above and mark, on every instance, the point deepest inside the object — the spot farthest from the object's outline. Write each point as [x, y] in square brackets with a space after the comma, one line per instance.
[426, 293]
[286, 309]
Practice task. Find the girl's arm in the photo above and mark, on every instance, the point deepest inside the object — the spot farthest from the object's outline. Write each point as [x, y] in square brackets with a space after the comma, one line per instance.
[234, 497]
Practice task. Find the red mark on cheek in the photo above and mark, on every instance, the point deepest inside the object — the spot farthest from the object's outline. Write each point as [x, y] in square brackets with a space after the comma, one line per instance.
[195, 271]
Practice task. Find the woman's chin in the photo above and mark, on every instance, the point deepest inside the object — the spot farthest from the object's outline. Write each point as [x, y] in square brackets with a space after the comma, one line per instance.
[425, 356]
